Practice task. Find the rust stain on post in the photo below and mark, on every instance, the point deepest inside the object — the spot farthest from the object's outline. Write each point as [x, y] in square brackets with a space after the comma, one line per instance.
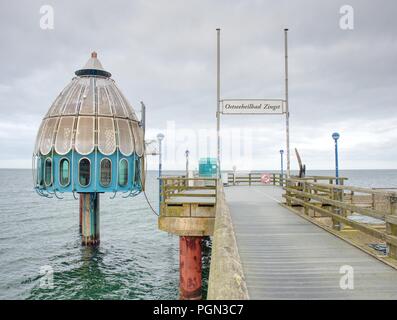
[89, 209]
[190, 268]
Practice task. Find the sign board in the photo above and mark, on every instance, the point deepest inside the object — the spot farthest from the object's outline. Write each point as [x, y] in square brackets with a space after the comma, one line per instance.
[265, 178]
[252, 106]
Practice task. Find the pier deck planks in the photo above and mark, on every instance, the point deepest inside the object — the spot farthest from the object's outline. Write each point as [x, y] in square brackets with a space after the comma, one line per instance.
[287, 257]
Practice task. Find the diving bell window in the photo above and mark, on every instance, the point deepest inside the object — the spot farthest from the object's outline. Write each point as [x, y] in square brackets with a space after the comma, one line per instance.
[136, 178]
[123, 172]
[64, 172]
[40, 180]
[48, 172]
[106, 172]
[84, 172]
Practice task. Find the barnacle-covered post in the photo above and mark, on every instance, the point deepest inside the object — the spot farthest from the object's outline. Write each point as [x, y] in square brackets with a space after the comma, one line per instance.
[90, 142]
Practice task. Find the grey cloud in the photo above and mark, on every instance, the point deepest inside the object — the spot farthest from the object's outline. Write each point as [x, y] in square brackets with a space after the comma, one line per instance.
[163, 52]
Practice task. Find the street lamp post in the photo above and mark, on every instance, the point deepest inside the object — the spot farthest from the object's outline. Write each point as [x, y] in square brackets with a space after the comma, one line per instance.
[187, 163]
[160, 137]
[282, 168]
[336, 136]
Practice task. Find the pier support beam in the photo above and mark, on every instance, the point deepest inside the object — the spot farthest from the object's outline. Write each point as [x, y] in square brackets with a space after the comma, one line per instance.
[89, 212]
[190, 267]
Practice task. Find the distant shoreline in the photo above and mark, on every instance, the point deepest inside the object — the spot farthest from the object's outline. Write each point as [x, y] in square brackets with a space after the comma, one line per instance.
[253, 170]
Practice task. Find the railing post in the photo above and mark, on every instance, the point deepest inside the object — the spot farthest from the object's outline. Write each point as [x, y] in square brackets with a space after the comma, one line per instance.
[164, 183]
[351, 200]
[335, 195]
[341, 198]
[315, 190]
[391, 226]
[274, 179]
[306, 190]
[288, 193]
[249, 178]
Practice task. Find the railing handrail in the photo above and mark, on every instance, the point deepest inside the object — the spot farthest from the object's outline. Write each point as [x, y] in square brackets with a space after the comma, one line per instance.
[184, 178]
[340, 204]
[310, 194]
[344, 187]
[178, 187]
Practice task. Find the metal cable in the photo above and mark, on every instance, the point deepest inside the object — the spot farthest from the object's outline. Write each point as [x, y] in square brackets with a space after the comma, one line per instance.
[144, 192]
[147, 200]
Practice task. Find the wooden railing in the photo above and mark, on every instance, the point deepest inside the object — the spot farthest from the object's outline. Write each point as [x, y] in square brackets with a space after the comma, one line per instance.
[188, 205]
[341, 203]
[275, 179]
[329, 179]
[255, 178]
[180, 186]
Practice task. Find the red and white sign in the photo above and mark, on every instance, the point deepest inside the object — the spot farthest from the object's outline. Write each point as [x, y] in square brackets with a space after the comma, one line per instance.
[265, 178]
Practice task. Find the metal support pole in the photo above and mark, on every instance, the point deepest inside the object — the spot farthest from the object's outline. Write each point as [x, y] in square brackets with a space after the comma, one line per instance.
[143, 159]
[81, 212]
[218, 99]
[336, 136]
[160, 168]
[282, 168]
[160, 137]
[143, 117]
[187, 163]
[90, 218]
[286, 101]
[337, 194]
[190, 279]
[336, 162]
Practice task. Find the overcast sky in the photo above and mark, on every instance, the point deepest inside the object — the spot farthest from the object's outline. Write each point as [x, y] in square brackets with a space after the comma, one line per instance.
[164, 53]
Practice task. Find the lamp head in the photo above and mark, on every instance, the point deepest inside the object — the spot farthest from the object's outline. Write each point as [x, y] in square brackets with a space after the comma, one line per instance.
[281, 151]
[160, 137]
[335, 136]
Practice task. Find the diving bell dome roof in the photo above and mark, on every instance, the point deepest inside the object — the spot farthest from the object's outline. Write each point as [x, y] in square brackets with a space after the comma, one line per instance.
[90, 112]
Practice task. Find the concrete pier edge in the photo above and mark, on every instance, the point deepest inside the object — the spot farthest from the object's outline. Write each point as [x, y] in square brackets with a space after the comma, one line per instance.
[226, 278]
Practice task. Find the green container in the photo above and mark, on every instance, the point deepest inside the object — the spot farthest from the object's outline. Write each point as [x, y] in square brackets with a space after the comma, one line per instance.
[208, 167]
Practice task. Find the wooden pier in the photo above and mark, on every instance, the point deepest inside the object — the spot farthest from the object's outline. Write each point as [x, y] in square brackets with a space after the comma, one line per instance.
[287, 239]
[287, 257]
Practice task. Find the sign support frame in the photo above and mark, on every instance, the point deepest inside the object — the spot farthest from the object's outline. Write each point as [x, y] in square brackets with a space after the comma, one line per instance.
[286, 102]
[218, 99]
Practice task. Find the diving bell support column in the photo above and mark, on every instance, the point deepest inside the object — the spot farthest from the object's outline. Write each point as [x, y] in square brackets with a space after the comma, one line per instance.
[89, 210]
[81, 199]
[190, 267]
